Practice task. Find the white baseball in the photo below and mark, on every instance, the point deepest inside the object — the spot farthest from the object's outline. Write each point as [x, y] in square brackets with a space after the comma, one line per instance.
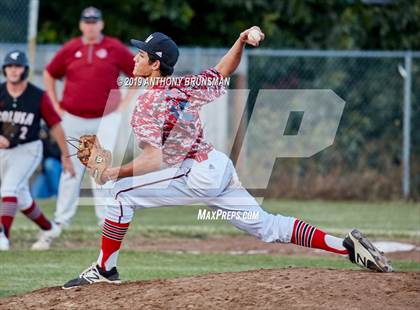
[254, 35]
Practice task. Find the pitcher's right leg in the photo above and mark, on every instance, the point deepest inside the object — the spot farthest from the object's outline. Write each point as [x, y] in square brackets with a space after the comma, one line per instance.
[274, 227]
[278, 228]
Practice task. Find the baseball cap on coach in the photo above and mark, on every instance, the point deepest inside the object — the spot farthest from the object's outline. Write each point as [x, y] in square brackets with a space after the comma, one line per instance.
[91, 14]
[161, 46]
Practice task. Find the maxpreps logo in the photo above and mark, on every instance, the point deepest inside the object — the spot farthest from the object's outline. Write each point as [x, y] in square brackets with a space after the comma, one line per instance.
[207, 215]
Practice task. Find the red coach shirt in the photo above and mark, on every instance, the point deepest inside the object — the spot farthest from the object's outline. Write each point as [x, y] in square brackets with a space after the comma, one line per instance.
[91, 71]
[48, 112]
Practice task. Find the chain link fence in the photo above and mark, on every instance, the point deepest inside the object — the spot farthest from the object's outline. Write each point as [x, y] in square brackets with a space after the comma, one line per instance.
[14, 21]
[366, 160]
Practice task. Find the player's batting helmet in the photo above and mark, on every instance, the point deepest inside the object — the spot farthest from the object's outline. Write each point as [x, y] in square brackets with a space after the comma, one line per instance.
[17, 58]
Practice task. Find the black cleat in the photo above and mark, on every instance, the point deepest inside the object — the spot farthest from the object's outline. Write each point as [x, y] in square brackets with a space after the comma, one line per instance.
[363, 253]
[94, 274]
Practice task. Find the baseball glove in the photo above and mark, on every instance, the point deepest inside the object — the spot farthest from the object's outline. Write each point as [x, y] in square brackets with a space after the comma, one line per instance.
[10, 132]
[92, 155]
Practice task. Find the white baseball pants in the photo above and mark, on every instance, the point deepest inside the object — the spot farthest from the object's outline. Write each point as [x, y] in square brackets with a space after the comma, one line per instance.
[212, 182]
[68, 193]
[16, 167]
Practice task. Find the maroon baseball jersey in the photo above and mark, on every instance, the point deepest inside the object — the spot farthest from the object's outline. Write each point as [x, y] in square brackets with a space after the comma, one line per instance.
[168, 118]
[20, 117]
[91, 71]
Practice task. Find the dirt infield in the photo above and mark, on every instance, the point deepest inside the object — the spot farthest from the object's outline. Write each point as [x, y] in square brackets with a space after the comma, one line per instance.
[293, 288]
[227, 244]
[241, 245]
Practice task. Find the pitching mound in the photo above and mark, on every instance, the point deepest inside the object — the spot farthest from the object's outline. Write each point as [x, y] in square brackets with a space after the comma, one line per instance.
[257, 289]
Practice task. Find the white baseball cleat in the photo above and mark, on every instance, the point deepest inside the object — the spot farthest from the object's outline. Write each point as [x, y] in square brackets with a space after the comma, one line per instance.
[363, 253]
[4, 242]
[92, 275]
[46, 237]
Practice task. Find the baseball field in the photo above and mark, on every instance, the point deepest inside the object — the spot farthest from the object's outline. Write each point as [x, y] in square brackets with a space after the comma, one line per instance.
[172, 260]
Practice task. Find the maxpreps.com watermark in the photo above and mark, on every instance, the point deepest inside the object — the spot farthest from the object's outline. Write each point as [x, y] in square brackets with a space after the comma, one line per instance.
[207, 215]
[186, 81]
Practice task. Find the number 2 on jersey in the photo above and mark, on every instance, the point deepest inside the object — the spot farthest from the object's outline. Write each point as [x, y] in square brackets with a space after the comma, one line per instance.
[23, 132]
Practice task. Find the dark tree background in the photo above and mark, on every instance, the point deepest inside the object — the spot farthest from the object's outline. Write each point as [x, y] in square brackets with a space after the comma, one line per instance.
[314, 24]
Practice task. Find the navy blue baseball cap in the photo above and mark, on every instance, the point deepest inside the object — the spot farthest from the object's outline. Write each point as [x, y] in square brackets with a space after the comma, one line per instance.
[161, 46]
[16, 57]
[91, 15]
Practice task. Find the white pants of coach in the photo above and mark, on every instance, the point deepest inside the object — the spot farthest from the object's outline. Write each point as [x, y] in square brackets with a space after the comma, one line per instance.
[212, 182]
[69, 189]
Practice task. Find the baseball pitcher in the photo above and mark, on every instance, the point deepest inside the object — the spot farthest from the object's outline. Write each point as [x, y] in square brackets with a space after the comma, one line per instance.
[178, 166]
[22, 107]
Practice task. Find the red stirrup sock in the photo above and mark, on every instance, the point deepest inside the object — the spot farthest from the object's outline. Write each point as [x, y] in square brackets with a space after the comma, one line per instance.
[309, 236]
[35, 214]
[8, 210]
[112, 236]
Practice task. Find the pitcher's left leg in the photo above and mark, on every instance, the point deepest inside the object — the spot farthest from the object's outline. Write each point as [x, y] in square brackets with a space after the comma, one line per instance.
[162, 188]
[165, 187]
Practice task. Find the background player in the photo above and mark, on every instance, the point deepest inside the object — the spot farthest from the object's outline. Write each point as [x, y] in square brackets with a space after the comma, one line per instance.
[22, 107]
[90, 65]
[167, 126]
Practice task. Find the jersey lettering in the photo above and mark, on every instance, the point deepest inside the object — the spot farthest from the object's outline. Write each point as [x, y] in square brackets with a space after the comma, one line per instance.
[20, 117]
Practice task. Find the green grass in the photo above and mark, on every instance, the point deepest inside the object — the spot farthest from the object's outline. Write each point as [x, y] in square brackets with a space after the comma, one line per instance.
[396, 220]
[22, 270]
